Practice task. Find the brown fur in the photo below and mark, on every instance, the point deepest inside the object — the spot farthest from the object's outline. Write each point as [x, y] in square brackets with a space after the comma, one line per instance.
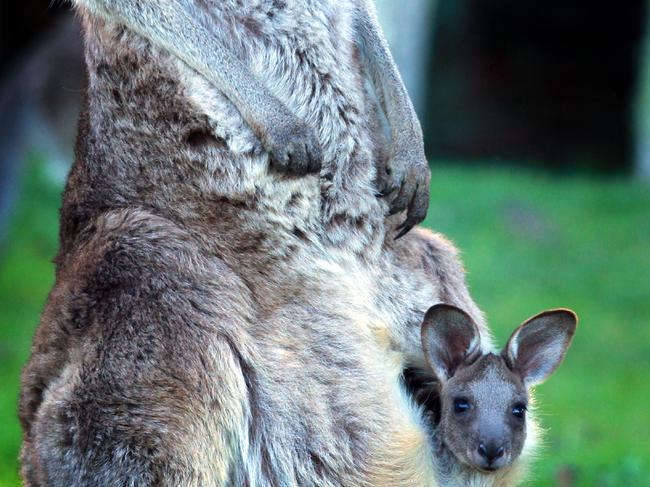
[213, 321]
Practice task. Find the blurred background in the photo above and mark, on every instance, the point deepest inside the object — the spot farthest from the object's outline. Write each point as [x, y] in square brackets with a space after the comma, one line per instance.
[537, 125]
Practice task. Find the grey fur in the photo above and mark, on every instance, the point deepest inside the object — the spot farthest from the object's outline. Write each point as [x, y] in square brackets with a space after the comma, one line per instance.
[483, 397]
[214, 322]
[190, 31]
[183, 30]
[406, 174]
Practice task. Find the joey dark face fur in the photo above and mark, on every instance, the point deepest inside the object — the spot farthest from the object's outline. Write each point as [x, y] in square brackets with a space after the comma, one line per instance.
[484, 397]
[483, 417]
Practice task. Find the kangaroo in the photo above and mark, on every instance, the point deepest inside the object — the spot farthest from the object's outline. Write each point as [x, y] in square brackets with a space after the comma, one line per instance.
[482, 399]
[222, 314]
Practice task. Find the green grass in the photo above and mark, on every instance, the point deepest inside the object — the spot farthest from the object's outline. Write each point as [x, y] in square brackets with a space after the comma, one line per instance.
[530, 241]
[26, 275]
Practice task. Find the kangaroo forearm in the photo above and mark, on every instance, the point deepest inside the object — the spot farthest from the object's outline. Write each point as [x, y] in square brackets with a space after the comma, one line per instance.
[173, 25]
[385, 76]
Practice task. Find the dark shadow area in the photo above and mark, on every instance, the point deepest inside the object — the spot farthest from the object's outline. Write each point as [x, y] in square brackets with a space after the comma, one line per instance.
[21, 22]
[545, 82]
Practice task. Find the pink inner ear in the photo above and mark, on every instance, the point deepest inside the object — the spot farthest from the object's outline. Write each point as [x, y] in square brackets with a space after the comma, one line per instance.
[545, 359]
[459, 344]
[449, 335]
[538, 346]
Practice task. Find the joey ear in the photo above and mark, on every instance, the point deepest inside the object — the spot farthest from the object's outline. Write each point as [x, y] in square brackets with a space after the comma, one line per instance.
[538, 346]
[449, 338]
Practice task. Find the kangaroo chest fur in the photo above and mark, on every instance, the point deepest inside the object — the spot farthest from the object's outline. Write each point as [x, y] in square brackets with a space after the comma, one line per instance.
[158, 135]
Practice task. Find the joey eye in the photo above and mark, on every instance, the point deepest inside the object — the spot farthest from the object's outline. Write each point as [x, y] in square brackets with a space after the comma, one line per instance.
[519, 410]
[461, 405]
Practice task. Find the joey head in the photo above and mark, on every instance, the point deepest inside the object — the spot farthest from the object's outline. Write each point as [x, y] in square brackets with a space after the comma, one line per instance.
[484, 396]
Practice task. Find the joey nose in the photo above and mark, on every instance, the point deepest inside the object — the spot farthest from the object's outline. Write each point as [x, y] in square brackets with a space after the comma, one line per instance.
[491, 451]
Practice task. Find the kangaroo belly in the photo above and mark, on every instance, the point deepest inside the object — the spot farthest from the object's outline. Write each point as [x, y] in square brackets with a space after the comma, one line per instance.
[157, 353]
